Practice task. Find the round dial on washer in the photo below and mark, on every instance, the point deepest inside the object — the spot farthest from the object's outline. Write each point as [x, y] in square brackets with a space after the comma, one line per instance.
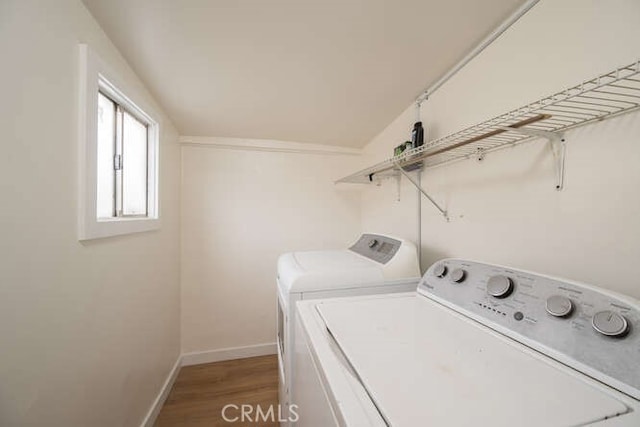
[458, 275]
[440, 270]
[610, 323]
[499, 286]
[559, 306]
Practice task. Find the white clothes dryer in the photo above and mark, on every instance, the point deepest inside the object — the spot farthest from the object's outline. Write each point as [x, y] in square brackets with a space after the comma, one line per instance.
[374, 264]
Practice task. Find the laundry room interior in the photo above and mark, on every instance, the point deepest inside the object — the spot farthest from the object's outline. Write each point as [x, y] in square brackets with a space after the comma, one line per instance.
[283, 164]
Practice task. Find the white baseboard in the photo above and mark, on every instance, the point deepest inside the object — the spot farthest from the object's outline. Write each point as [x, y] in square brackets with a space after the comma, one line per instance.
[150, 419]
[199, 357]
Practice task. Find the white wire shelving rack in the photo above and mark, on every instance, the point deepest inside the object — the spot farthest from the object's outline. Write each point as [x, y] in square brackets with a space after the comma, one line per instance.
[605, 96]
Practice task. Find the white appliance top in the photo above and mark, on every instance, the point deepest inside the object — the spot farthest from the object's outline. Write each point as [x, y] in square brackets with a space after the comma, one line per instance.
[374, 260]
[454, 372]
[481, 343]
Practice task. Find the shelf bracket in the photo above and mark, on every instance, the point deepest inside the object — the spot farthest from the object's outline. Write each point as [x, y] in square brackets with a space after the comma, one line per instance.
[424, 193]
[558, 147]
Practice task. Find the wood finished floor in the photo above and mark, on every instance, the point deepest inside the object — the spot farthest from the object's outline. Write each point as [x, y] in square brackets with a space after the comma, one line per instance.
[200, 392]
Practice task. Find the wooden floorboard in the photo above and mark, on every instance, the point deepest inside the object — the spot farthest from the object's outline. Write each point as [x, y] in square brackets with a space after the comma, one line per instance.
[200, 393]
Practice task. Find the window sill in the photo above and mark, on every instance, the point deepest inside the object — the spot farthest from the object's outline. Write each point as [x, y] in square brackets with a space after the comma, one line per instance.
[116, 227]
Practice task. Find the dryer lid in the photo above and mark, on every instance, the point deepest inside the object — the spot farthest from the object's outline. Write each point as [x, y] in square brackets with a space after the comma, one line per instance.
[325, 270]
[323, 261]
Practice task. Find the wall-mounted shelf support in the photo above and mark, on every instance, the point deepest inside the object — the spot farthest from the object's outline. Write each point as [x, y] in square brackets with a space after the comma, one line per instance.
[424, 193]
[557, 143]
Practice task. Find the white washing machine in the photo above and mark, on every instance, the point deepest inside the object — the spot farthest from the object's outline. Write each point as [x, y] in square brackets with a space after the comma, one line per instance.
[374, 264]
[476, 345]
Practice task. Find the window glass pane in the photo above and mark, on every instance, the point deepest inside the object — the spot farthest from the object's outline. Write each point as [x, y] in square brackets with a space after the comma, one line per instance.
[106, 146]
[134, 167]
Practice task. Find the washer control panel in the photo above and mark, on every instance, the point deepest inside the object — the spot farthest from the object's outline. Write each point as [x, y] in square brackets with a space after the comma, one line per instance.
[595, 331]
[376, 247]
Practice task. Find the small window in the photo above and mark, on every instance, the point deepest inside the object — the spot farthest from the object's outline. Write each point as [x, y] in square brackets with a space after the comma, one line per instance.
[123, 162]
[119, 152]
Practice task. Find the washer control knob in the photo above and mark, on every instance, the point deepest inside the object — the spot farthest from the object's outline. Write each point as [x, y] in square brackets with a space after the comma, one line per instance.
[610, 323]
[458, 275]
[559, 306]
[499, 286]
[372, 243]
[440, 270]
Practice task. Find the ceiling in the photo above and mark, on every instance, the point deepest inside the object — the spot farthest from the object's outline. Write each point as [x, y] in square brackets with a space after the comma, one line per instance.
[319, 71]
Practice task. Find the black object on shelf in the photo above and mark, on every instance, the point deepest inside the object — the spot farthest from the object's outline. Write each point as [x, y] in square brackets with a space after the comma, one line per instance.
[417, 135]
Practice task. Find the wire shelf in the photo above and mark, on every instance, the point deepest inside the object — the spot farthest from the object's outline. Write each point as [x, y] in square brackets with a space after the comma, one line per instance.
[605, 96]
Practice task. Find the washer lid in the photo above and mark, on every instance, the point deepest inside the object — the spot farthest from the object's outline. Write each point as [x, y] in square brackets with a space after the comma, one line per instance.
[425, 365]
[324, 270]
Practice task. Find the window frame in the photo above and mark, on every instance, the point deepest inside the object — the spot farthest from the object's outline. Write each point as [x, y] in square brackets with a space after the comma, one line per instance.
[96, 76]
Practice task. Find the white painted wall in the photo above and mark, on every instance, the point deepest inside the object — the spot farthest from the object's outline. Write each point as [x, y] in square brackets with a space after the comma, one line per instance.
[241, 209]
[505, 209]
[88, 331]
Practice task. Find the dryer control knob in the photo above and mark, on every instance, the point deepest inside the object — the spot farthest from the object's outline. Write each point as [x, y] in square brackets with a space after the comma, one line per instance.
[610, 323]
[440, 270]
[559, 306]
[458, 275]
[499, 286]
[372, 243]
